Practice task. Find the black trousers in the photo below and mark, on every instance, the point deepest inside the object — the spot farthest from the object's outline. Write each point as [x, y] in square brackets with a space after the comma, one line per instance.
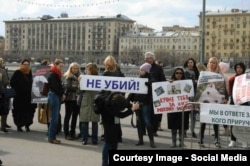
[71, 112]
[202, 132]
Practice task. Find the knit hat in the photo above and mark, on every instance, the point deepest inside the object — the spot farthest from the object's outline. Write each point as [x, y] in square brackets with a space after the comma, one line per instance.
[146, 67]
[149, 55]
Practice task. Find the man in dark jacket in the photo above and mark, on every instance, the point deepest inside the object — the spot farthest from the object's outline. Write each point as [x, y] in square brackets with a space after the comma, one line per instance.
[157, 75]
[111, 114]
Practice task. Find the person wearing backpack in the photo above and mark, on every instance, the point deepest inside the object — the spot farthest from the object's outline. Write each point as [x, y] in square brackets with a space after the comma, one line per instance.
[113, 69]
[144, 115]
[112, 111]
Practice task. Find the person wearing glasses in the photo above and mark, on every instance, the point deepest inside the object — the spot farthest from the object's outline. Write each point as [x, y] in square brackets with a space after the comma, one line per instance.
[23, 110]
[175, 119]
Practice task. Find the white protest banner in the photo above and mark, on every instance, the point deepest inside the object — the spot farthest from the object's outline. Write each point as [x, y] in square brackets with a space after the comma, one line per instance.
[120, 84]
[170, 97]
[40, 74]
[241, 89]
[233, 115]
[211, 88]
[208, 76]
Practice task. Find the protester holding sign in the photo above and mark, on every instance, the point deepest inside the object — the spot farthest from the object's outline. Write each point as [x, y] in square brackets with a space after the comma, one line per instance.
[157, 74]
[110, 65]
[211, 89]
[175, 119]
[111, 115]
[87, 114]
[239, 69]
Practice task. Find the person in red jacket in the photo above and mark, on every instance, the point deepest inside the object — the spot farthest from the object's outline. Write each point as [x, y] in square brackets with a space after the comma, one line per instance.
[239, 69]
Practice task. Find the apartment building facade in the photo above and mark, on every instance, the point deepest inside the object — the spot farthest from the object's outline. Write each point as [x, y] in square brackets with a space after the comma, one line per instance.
[82, 39]
[227, 35]
[173, 47]
[2, 43]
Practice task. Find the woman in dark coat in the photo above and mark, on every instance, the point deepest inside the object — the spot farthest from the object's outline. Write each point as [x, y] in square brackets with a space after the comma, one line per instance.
[175, 119]
[23, 110]
[191, 72]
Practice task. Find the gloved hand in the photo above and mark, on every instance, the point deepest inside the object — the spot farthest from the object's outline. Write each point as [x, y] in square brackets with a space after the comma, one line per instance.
[135, 106]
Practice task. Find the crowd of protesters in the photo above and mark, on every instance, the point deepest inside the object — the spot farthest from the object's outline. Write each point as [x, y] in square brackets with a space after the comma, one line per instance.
[64, 88]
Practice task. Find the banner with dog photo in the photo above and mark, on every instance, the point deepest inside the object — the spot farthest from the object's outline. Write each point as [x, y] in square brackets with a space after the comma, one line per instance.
[170, 97]
[210, 88]
[40, 74]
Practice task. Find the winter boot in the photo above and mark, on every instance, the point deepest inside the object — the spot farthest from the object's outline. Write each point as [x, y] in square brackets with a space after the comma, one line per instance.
[174, 135]
[181, 140]
[3, 123]
[151, 136]
[140, 135]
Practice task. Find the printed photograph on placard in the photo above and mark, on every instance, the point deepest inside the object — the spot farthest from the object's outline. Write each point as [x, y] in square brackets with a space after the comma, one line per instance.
[159, 91]
[210, 93]
[174, 89]
[157, 103]
[187, 88]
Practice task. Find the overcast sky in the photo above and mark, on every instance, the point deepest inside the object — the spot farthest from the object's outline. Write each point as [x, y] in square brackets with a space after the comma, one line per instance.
[152, 13]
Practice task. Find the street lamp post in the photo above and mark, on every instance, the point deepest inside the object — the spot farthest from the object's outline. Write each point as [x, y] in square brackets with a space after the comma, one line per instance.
[203, 32]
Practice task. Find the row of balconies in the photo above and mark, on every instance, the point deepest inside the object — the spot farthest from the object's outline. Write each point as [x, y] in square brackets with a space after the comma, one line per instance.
[231, 43]
[213, 35]
[228, 29]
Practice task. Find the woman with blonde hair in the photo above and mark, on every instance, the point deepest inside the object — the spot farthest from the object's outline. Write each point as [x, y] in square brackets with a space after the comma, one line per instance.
[213, 66]
[71, 85]
[112, 130]
[87, 113]
[110, 64]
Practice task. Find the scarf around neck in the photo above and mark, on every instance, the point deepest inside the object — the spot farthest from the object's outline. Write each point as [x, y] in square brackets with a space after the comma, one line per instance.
[24, 70]
[56, 71]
